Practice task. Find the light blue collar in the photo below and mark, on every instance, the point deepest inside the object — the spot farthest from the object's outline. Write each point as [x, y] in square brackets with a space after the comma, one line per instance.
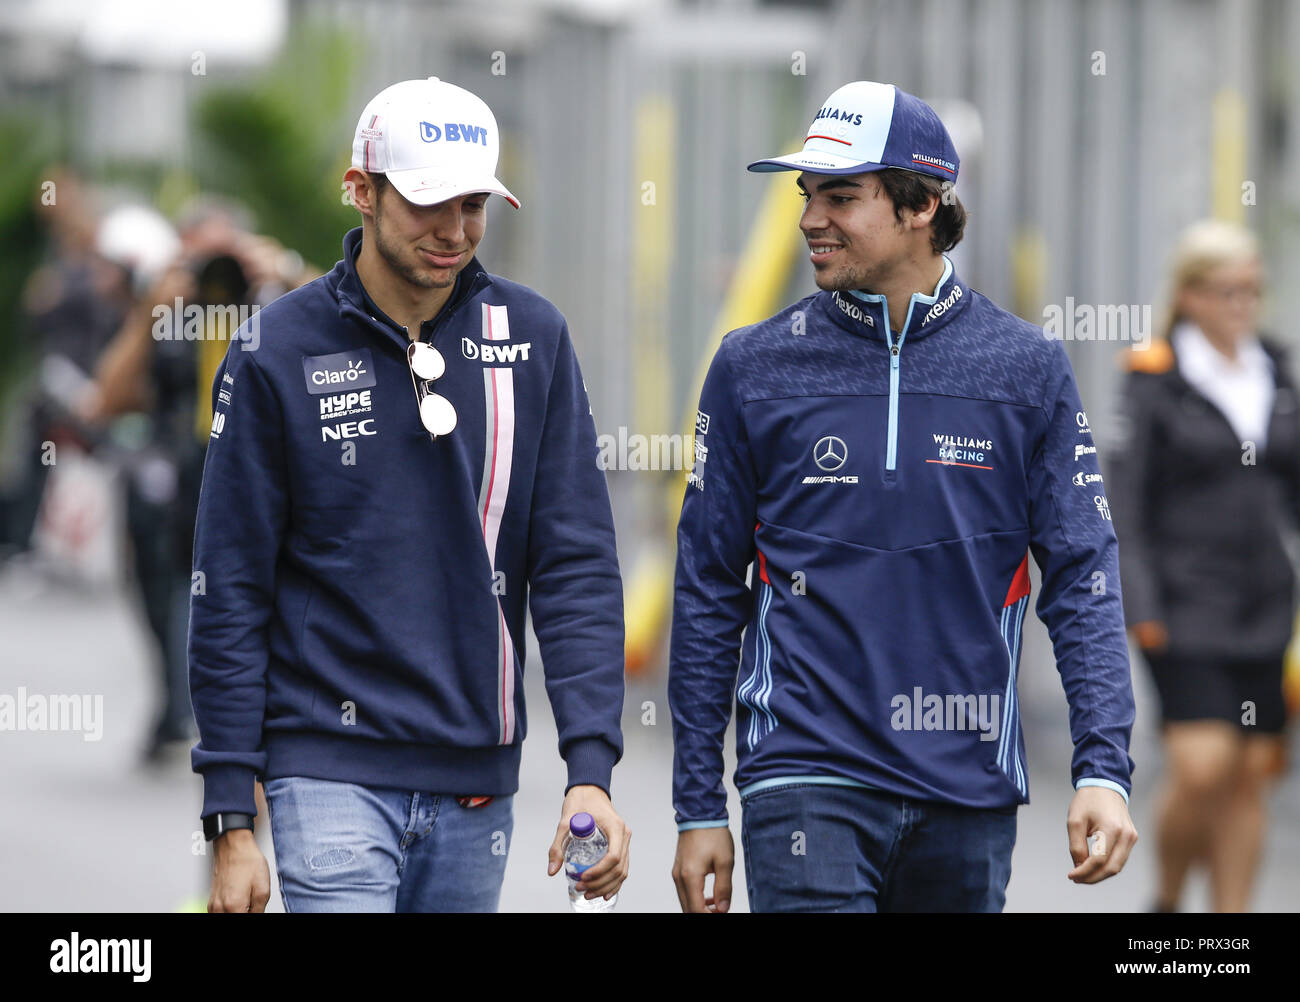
[917, 297]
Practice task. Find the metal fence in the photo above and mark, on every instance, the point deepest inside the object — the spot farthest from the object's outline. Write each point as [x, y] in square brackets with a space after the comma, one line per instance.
[1090, 131]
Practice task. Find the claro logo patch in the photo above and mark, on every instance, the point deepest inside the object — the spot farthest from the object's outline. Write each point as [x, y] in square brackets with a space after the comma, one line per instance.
[345, 370]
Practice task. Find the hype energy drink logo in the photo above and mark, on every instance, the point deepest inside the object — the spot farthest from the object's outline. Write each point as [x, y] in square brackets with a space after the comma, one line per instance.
[344, 370]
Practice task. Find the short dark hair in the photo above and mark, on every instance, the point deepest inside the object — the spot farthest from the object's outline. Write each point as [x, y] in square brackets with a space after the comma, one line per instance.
[908, 189]
[378, 181]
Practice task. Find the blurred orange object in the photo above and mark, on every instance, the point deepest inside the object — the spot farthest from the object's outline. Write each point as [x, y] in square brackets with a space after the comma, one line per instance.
[1291, 674]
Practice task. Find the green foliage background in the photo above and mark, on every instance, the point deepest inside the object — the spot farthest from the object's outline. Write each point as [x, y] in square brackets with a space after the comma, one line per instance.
[278, 141]
[27, 151]
[281, 143]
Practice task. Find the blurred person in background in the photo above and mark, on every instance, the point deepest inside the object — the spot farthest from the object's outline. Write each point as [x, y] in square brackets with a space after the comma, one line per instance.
[1205, 482]
[72, 305]
[161, 364]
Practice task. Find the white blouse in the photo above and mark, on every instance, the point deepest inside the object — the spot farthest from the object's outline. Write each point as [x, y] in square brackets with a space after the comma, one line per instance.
[1241, 388]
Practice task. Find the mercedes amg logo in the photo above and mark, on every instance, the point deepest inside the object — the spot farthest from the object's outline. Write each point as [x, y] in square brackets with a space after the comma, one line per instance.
[830, 453]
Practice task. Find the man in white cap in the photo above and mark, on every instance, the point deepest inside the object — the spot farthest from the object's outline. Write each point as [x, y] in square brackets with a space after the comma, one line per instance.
[401, 464]
[887, 453]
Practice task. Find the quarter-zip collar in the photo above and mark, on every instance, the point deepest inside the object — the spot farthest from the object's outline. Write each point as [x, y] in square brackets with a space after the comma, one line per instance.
[356, 303]
[867, 314]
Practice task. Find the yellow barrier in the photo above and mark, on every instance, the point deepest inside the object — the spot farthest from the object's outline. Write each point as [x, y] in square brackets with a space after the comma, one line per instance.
[1228, 156]
[762, 272]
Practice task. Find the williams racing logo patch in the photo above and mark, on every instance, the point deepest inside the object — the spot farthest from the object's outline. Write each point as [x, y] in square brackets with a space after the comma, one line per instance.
[972, 452]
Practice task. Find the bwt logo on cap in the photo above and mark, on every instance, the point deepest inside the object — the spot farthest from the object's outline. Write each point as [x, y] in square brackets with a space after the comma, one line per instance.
[867, 126]
[455, 132]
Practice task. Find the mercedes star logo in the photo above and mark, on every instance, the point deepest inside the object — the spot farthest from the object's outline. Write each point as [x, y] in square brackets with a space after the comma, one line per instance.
[830, 453]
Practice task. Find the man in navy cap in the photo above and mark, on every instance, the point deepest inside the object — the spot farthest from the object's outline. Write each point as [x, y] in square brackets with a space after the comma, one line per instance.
[887, 453]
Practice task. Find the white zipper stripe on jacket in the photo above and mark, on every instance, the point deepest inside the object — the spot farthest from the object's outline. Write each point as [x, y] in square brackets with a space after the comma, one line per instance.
[499, 444]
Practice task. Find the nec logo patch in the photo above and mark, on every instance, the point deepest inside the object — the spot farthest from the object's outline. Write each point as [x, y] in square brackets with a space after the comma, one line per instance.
[345, 370]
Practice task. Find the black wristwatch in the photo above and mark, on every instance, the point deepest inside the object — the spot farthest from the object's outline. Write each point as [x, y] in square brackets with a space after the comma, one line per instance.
[216, 824]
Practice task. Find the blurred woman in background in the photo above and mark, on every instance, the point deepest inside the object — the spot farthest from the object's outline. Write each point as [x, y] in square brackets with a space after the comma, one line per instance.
[1205, 485]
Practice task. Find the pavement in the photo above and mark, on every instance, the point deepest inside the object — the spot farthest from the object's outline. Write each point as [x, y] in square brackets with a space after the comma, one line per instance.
[87, 828]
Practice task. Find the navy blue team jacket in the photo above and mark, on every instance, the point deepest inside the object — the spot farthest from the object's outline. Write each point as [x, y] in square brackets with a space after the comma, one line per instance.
[360, 615]
[889, 488]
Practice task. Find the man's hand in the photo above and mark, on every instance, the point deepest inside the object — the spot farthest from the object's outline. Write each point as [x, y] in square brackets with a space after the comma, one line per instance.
[1098, 811]
[241, 880]
[602, 879]
[701, 851]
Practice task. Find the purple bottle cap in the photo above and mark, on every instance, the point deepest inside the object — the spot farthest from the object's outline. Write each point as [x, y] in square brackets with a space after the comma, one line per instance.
[582, 825]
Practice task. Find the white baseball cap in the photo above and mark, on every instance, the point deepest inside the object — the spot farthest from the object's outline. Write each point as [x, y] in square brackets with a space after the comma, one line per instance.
[432, 139]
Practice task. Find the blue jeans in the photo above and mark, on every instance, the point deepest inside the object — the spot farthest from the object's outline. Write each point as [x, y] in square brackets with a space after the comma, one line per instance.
[814, 847]
[340, 847]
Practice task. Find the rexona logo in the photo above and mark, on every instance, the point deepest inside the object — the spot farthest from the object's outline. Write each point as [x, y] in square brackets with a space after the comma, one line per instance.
[345, 370]
[453, 132]
[509, 351]
[853, 311]
[944, 305]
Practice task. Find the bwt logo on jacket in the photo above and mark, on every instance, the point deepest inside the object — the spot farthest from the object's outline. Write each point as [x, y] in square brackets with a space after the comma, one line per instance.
[512, 352]
[454, 132]
[344, 370]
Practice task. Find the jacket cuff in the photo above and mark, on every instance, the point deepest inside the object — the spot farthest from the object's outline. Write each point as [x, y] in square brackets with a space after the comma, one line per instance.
[687, 826]
[229, 788]
[591, 762]
[1105, 784]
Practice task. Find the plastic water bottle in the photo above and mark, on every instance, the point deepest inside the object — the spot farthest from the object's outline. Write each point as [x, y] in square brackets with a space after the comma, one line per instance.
[585, 845]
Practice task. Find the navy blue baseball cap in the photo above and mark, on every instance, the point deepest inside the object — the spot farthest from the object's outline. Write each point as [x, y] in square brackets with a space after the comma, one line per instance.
[866, 126]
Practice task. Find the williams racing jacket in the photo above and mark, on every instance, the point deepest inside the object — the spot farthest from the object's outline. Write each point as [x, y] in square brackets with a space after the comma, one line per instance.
[888, 489]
